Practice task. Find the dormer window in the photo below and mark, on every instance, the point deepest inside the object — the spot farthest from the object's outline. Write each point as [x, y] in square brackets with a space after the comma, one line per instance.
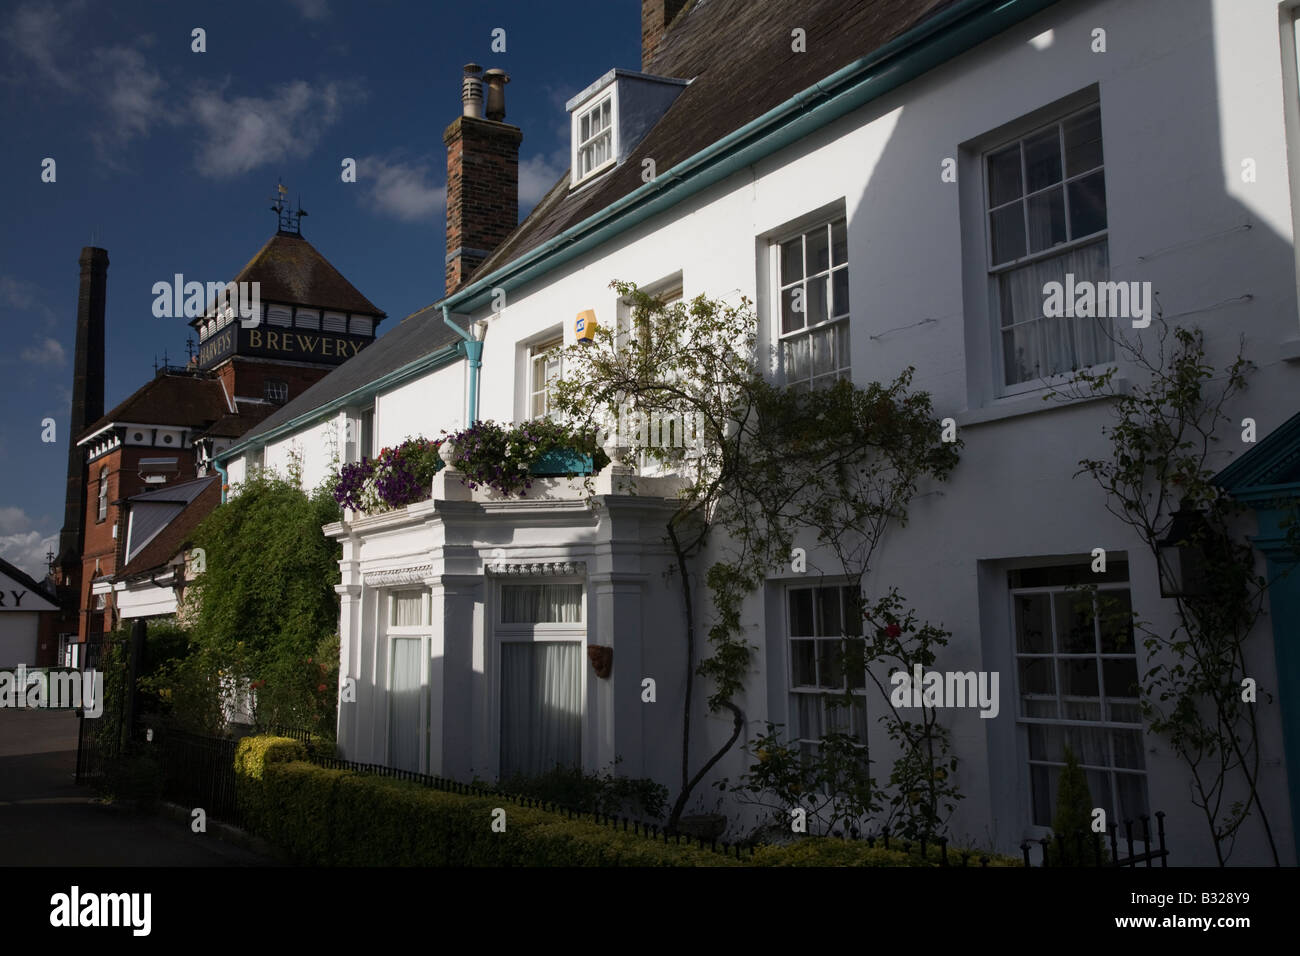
[610, 117]
[595, 138]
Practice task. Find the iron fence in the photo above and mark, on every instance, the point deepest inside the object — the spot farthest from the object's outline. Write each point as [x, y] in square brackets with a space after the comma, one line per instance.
[197, 771]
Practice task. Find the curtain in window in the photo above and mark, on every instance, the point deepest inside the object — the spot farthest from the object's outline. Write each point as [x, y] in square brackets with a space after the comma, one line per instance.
[406, 688]
[408, 609]
[541, 707]
[541, 604]
[1034, 346]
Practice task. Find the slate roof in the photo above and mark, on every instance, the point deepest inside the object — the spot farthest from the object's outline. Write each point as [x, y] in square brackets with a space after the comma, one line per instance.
[231, 425]
[204, 496]
[738, 54]
[419, 334]
[178, 400]
[291, 271]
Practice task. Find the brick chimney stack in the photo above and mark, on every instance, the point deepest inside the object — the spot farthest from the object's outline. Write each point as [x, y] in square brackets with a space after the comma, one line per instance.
[87, 394]
[656, 15]
[482, 177]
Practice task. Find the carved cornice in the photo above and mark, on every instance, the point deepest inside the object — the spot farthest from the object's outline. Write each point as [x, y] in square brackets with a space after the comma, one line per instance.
[393, 576]
[526, 569]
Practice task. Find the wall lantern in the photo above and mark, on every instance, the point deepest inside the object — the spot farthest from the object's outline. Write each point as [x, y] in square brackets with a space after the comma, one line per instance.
[602, 659]
[584, 326]
[1182, 555]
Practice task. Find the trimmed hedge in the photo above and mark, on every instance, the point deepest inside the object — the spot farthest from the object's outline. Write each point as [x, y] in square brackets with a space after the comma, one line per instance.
[326, 817]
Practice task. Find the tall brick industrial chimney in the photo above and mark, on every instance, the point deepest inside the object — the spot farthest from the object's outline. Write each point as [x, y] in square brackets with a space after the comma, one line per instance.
[87, 408]
[482, 175]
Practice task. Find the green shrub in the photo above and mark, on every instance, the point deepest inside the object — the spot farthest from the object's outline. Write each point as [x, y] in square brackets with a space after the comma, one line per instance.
[573, 787]
[342, 818]
[829, 851]
[1078, 844]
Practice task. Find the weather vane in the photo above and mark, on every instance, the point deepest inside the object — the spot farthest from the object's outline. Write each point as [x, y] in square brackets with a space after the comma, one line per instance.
[290, 219]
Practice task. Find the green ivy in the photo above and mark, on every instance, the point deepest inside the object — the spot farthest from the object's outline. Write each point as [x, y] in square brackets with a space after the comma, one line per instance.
[264, 610]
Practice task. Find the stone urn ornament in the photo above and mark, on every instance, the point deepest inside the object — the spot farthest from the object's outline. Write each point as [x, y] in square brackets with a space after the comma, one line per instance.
[447, 452]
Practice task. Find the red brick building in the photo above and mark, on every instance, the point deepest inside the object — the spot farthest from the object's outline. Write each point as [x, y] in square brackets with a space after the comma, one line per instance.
[309, 320]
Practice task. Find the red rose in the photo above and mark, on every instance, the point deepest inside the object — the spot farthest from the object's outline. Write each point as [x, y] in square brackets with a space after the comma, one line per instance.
[893, 630]
[321, 687]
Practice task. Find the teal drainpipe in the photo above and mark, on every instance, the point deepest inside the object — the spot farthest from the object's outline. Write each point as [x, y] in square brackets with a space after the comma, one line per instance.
[225, 478]
[474, 352]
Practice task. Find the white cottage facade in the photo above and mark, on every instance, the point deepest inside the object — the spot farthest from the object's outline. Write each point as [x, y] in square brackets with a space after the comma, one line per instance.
[920, 192]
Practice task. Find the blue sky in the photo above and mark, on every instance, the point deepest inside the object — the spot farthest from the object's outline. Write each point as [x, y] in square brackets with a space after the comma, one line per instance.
[168, 158]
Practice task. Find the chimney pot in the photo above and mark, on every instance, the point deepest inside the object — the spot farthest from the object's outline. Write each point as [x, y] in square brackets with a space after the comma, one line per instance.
[496, 94]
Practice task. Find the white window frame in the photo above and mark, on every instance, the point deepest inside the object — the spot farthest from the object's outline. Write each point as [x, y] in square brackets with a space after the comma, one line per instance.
[597, 102]
[993, 272]
[1289, 29]
[541, 354]
[780, 285]
[102, 494]
[503, 633]
[1024, 759]
[423, 632]
[795, 732]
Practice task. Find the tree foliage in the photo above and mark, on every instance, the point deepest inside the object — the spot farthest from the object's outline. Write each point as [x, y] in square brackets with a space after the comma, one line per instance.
[1163, 433]
[769, 464]
[264, 611]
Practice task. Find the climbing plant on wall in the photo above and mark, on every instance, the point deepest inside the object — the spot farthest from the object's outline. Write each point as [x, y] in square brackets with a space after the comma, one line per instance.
[765, 464]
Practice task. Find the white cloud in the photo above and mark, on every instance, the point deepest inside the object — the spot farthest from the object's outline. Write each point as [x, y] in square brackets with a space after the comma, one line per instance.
[401, 189]
[46, 351]
[23, 296]
[246, 132]
[312, 9]
[36, 33]
[132, 93]
[13, 520]
[538, 174]
[27, 551]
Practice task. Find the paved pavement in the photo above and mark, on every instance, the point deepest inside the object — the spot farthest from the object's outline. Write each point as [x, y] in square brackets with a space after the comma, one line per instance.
[47, 820]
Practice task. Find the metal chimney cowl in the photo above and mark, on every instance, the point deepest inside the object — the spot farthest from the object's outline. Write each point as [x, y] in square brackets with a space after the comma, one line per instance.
[471, 91]
[496, 94]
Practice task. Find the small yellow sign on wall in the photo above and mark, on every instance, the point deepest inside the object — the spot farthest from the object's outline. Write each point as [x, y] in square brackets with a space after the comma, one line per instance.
[584, 326]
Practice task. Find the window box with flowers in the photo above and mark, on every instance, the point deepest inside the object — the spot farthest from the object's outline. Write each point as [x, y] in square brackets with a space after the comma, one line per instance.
[506, 458]
[394, 478]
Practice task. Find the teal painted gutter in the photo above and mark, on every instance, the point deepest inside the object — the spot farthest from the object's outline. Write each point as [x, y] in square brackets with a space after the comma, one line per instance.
[474, 351]
[366, 392]
[945, 36]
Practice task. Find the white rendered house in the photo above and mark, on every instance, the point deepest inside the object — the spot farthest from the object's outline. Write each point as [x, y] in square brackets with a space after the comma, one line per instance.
[918, 171]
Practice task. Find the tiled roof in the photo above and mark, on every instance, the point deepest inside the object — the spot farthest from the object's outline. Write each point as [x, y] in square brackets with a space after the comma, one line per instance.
[291, 271]
[177, 400]
[232, 426]
[172, 539]
[417, 335]
[739, 55]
